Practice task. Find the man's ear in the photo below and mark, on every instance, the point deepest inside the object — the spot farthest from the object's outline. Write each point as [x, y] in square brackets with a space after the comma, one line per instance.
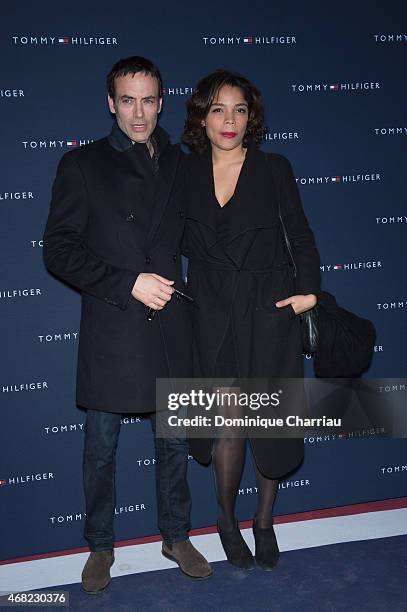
[110, 102]
[160, 104]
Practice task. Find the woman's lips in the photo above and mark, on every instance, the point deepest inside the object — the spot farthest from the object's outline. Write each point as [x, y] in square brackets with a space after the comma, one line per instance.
[229, 134]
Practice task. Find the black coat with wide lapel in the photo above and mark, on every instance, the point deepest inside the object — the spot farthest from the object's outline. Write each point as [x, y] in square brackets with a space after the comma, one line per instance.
[240, 280]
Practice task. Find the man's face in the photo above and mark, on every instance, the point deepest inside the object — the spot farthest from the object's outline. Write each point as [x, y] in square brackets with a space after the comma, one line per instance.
[136, 105]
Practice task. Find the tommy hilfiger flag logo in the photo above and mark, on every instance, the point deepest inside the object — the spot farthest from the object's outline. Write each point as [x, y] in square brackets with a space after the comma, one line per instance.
[63, 40]
[338, 267]
[336, 179]
[2, 482]
[71, 143]
[248, 40]
[334, 87]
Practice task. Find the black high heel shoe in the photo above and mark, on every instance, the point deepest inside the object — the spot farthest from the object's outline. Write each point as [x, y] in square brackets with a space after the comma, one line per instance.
[236, 549]
[267, 552]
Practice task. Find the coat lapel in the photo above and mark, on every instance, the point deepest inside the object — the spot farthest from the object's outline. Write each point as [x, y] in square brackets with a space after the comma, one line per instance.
[200, 204]
[168, 164]
[255, 205]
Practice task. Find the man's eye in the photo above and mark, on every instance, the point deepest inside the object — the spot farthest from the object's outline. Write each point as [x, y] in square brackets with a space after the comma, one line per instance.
[127, 101]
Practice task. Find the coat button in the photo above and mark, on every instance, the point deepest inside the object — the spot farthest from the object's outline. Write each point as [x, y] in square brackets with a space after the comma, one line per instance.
[130, 217]
[182, 214]
[148, 259]
[174, 257]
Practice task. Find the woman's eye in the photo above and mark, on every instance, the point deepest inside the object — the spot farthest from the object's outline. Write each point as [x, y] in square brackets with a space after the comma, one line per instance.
[216, 110]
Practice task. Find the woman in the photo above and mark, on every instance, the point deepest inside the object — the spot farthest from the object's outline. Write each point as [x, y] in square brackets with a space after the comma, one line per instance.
[247, 323]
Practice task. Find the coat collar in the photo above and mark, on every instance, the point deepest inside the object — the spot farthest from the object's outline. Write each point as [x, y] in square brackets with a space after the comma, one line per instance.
[121, 142]
[252, 201]
[118, 139]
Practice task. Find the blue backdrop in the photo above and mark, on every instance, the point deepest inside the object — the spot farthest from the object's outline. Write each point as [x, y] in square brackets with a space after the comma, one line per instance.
[333, 80]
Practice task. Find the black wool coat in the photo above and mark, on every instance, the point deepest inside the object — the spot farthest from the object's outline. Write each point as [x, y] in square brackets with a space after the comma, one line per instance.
[109, 220]
[241, 282]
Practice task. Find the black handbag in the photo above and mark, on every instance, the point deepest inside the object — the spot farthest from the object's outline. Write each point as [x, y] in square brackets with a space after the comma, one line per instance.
[346, 341]
[309, 318]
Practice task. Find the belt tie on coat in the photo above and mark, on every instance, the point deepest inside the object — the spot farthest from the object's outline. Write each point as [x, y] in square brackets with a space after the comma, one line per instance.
[202, 264]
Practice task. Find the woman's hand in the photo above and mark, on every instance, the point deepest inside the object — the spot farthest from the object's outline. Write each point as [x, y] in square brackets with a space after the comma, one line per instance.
[299, 303]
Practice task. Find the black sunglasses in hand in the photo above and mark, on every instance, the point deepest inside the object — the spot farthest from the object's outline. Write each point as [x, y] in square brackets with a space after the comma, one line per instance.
[179, 294]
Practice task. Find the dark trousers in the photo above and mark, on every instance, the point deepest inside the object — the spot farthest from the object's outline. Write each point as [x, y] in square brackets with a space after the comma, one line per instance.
[99, 469]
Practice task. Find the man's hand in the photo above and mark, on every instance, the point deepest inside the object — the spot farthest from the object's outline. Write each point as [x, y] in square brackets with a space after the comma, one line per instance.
[299, 303]
[152, 290]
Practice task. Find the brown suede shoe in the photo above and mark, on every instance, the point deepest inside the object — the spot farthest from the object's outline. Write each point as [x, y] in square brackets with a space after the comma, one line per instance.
[96, 573]
[190, 561]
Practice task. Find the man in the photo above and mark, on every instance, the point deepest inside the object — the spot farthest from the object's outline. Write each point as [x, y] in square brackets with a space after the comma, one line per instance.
[113, 232]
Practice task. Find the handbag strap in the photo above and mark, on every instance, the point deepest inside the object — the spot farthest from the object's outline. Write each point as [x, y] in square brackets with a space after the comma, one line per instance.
[287, 240]
[285, 234]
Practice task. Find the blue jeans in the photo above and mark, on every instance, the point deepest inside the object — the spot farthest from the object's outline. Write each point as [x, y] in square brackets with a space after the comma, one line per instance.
[99, 470]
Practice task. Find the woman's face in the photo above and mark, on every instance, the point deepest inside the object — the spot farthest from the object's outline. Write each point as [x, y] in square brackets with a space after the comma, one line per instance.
[227, 118]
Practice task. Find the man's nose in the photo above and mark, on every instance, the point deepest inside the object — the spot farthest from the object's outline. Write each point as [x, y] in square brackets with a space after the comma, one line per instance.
[138, 109]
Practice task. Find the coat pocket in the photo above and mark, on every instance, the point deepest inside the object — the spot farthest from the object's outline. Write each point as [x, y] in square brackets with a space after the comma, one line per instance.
[275, 287]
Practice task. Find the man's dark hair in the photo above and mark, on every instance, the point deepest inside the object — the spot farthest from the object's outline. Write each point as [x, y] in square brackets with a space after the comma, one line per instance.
[205, 93]
[133, 65]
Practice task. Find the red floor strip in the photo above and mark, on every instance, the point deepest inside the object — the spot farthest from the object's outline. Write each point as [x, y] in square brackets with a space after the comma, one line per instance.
[375, 506]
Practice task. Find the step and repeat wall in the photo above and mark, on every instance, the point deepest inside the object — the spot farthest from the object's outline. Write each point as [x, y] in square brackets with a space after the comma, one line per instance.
[333, 82]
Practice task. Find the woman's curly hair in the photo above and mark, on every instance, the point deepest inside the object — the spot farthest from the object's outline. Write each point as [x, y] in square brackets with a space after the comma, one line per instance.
[198, 105]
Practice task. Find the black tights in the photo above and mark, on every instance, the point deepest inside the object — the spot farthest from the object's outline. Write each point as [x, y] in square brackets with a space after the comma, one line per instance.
[228, 461]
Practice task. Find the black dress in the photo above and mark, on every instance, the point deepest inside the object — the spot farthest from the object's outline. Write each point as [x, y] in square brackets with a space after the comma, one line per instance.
[226, 365]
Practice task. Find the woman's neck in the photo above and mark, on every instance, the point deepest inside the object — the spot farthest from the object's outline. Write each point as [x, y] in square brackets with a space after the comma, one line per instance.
[220, 156]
